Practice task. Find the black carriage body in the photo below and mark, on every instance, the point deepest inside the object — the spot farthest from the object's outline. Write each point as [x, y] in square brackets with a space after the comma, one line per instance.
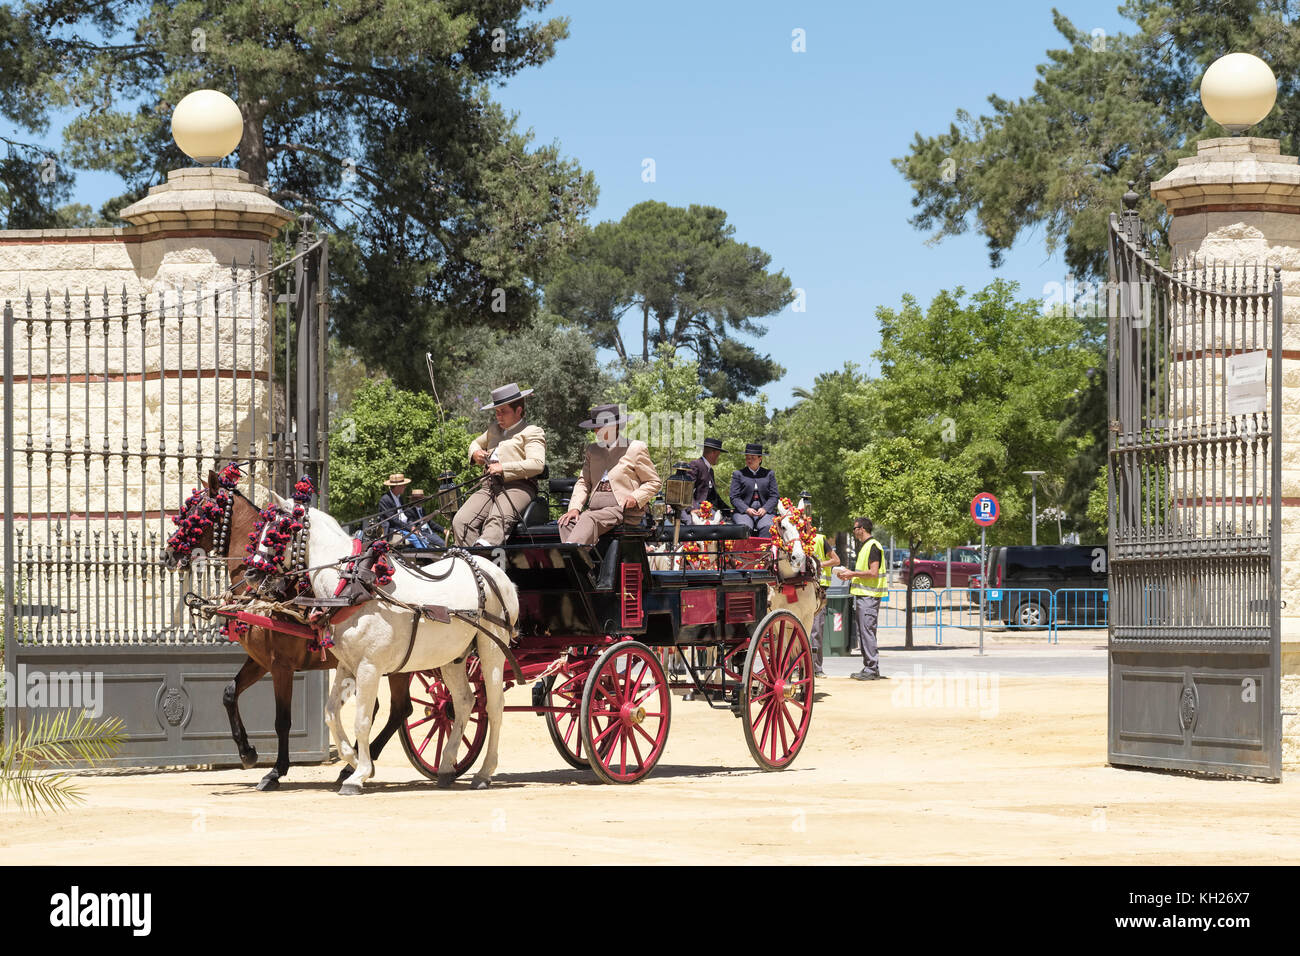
[569, 592]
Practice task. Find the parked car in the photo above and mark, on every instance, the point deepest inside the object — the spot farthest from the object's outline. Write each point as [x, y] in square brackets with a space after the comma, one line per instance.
[1023, 578]
[895, 558]
[930, 570]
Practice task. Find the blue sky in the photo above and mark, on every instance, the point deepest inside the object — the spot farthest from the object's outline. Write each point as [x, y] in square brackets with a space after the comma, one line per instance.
[796, 147]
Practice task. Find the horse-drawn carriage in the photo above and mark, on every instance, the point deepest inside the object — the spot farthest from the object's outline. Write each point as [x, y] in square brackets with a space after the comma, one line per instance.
[602, 630]
[590, 628]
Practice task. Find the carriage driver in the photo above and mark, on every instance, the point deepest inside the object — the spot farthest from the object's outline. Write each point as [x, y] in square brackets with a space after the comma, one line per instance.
[617, 474]
[513, 454]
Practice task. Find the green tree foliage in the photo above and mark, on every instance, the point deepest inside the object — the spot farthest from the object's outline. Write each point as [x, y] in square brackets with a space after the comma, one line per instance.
[983, 384]
[898, 482]
[671, 383]
[1104, 110]
[377, 119]
[691, 284]
[815, 437]
[388, 430]
[559, 363]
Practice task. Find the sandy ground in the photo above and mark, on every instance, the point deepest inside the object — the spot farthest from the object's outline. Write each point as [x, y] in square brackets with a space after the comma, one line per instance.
[888, 776]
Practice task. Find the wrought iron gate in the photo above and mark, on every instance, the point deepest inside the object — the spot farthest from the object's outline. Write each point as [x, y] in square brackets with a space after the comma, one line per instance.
[115, 406]
[1195, 365]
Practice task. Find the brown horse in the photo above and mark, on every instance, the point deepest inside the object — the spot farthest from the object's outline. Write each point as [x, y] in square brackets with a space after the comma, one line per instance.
[281, 654]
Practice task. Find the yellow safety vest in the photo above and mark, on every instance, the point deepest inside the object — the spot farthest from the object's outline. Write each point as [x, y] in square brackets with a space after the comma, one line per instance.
[870, 587]
[819, 552]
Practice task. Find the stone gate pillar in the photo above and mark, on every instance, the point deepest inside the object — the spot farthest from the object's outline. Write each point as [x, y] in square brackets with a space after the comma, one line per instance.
[1238, 201]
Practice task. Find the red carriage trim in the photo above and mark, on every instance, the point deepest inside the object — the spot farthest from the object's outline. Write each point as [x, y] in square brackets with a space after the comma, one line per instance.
[742, 607]
[699, 606]
[633, 613]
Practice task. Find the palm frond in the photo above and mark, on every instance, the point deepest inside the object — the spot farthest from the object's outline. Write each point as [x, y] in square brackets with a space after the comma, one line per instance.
[61, 738]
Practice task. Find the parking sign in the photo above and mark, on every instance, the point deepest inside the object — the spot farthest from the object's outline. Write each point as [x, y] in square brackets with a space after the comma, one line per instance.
[984, 508]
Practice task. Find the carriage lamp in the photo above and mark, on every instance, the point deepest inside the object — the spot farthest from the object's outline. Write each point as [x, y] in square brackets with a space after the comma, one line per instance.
[447, 491]
[679, 490]
[1238, 90]
[805, 502]
[657, 507]
[207, 126]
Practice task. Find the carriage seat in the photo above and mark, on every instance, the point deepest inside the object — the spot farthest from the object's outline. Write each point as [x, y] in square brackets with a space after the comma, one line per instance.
[706, 532]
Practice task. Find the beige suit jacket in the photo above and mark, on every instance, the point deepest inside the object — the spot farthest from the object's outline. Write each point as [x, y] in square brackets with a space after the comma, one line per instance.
[631, 472]
[521, 449]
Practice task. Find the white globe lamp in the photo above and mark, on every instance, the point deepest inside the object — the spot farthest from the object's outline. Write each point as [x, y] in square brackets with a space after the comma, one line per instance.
[207, 126]
[1238, 90]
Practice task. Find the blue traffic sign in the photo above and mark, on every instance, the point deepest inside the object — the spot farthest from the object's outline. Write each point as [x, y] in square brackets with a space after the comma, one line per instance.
[984, 508]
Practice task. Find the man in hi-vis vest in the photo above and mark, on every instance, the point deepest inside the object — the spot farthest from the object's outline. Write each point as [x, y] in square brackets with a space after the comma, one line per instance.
[868, 587]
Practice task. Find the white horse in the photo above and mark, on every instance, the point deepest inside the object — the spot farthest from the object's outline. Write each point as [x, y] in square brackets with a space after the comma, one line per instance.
[375, 641]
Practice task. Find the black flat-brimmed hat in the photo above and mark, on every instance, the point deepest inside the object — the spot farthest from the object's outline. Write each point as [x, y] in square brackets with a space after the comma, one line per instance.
[754, 448]
[602, 415]
[505, 395]
[714, 443]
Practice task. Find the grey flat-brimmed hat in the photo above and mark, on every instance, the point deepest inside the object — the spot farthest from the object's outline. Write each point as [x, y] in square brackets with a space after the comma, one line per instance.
[602, 415]
[505, 395]
[714, 443]
[754, 448]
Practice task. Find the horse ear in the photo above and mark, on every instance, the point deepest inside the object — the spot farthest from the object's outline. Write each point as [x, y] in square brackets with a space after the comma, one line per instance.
[281, 502]
[212, 481]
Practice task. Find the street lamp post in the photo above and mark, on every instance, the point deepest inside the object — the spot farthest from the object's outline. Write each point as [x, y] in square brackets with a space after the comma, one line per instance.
[1033, 508]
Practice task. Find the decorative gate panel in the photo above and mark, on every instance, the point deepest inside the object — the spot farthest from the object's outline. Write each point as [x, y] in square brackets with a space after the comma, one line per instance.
[1195, 511]
[116, 405]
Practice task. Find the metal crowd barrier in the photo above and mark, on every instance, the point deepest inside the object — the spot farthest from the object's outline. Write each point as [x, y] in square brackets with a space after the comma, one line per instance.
[1014, 609]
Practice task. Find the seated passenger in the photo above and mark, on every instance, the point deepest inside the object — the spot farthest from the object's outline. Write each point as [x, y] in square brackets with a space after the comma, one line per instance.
[513, 454]
[618, 481]
[753, 492]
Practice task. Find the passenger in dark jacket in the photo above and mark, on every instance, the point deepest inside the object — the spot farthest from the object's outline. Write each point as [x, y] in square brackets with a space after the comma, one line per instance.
[754, 496]
[701, 470]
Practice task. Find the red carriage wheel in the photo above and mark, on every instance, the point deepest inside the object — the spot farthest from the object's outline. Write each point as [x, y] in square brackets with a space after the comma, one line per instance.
[565, 690]
[777, 692]
[625, 713]
[426, 730]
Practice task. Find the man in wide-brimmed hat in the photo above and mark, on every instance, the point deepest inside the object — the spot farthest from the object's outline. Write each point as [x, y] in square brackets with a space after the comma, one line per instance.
[618, 480]
[512, 454]
[753, 492]
[392, 513]
[701, 469]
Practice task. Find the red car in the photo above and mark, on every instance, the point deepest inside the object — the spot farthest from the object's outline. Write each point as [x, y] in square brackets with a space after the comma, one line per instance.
[930, 570]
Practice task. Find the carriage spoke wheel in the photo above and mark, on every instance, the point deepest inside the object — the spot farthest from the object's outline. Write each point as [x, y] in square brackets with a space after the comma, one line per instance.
[428, 728]
[625, 713]
[777, 690]
[565, 690]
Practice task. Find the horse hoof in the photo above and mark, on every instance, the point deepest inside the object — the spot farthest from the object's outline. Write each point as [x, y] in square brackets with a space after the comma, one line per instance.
[350, 789]
[269, 782]
[479, 784]
[248, 759]
[444, 781]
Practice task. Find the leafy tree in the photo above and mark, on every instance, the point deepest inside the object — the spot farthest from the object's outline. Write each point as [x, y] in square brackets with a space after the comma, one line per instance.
[559, 363]
[815, 436]
[922, 497]
[378, 120]
[388, 430]
[672, 383]
[1104, 110]
[987, 381]
[690, 282]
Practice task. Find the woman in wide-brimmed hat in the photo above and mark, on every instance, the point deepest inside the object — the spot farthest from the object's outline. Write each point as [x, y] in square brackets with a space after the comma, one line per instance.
[618, 480]
[512, 453]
